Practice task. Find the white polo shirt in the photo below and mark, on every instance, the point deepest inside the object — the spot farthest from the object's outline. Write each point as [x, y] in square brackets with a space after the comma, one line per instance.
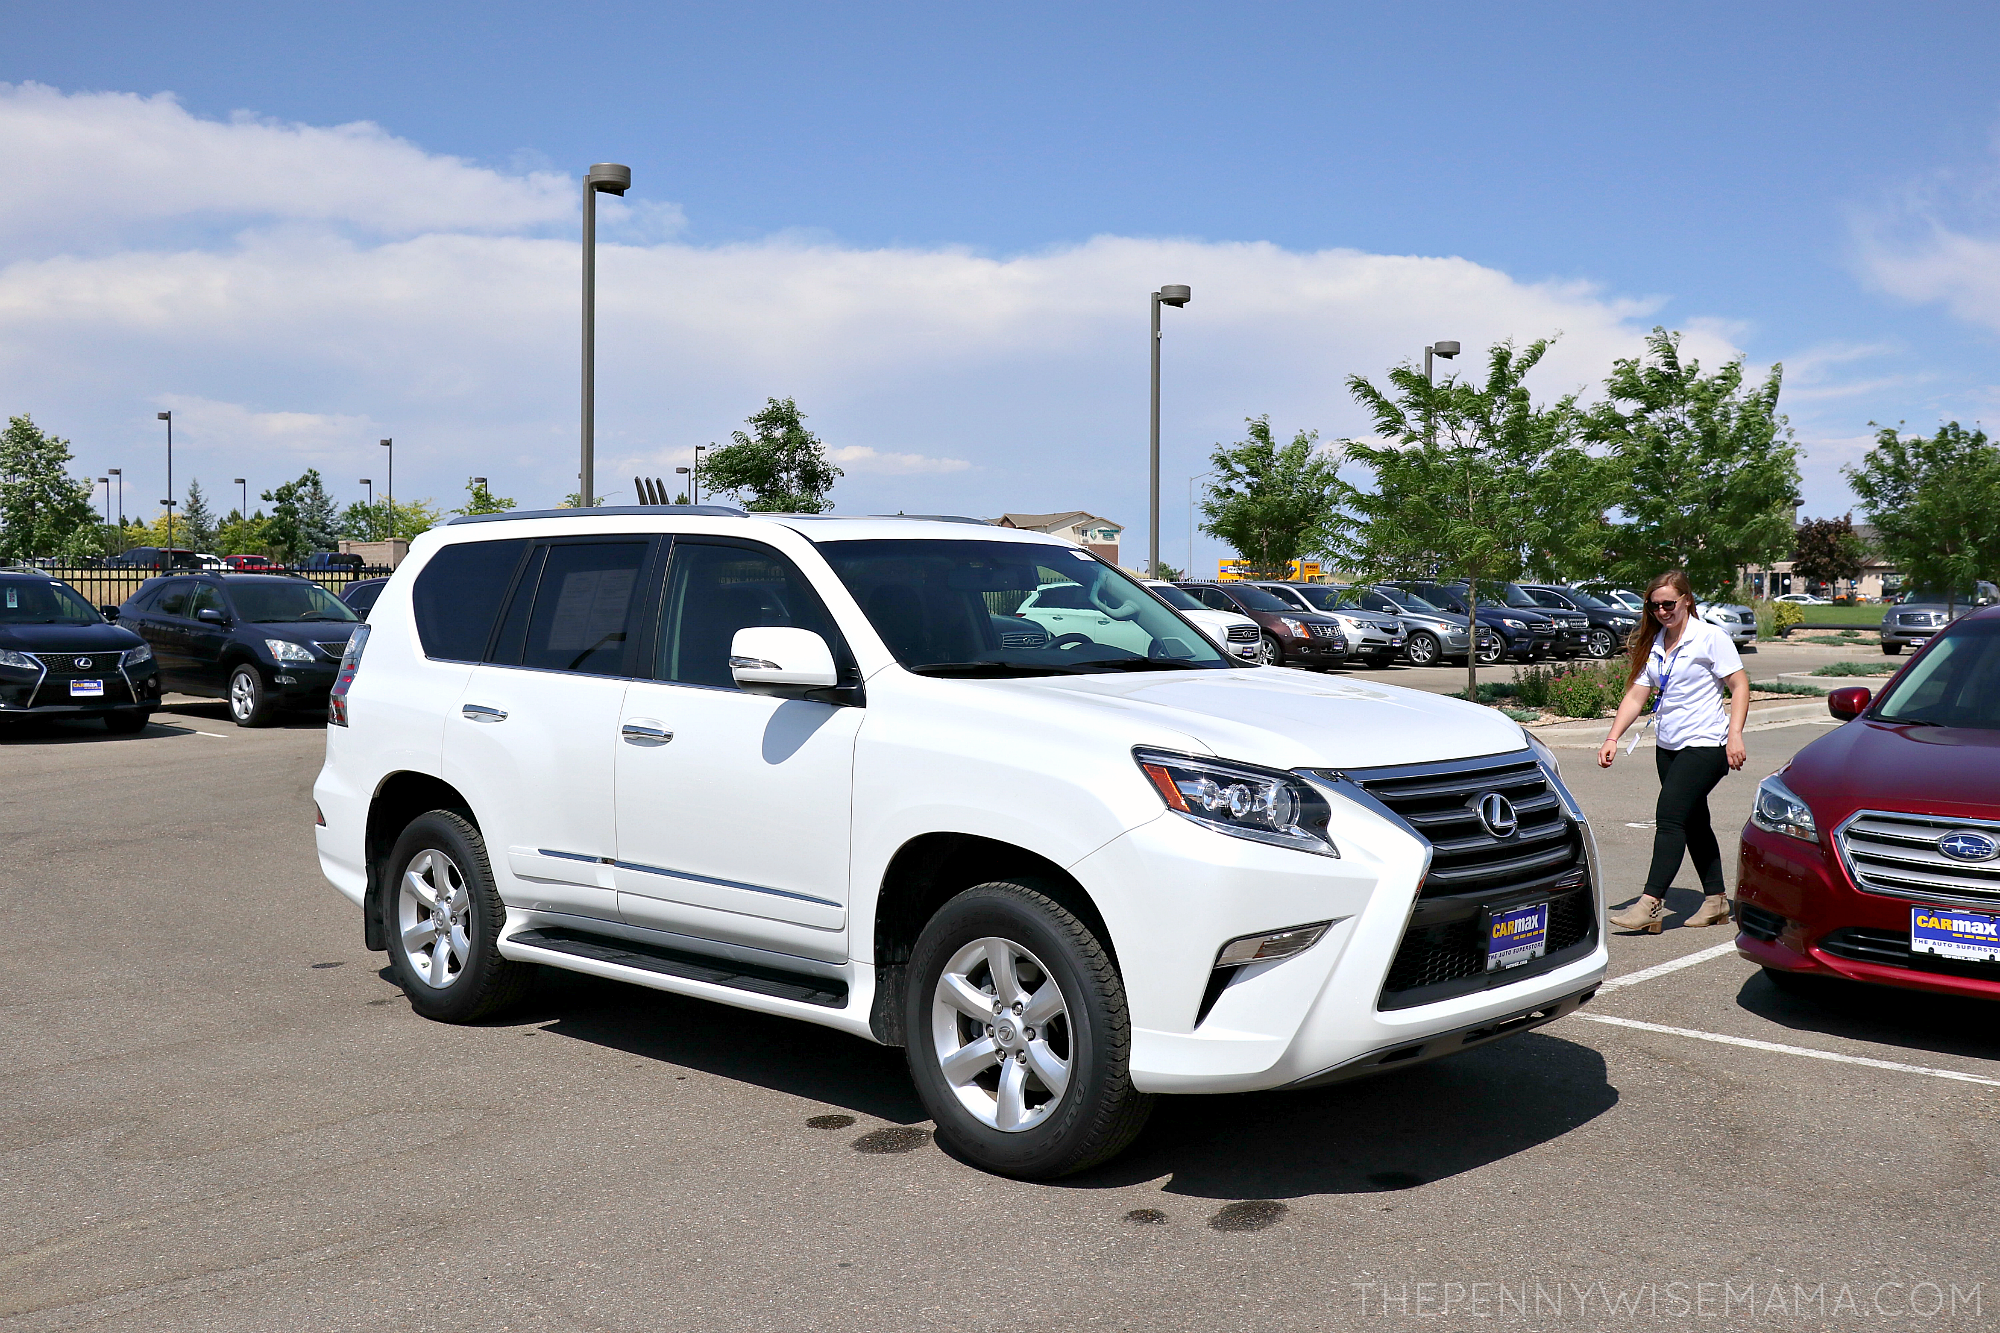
[1693, 709]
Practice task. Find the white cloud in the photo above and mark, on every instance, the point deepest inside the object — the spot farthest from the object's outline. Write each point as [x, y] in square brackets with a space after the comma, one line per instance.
[860, 458]
[1938, 240]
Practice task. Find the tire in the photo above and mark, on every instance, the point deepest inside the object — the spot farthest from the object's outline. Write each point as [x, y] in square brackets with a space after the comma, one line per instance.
[1892, 649]
[1084, 1042]
[1600, 644]
[1269, 651]
[1491, 654]
[250, 704]
[126, 724]
[1423, 649]
[442, 858]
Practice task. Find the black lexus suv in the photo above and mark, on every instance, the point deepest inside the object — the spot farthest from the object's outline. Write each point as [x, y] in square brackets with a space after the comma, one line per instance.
[60, 658]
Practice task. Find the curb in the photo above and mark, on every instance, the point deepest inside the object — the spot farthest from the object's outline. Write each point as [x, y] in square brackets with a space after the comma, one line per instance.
[1761, 719]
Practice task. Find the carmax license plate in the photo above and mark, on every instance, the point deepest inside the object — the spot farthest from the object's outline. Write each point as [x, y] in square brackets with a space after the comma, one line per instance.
[86, 688]
[1948, 932]
[1517, 937]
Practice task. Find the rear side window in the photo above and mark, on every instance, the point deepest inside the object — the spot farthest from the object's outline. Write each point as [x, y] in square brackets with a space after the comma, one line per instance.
[174, 601]
[457, 597]
[586, 608]
[713, 591]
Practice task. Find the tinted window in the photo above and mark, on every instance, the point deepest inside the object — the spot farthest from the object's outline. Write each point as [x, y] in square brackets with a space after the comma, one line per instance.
[174, 600]
[1062, 597]
[1257, 599]
[713, 591]
[586, 603]
[1955, 684]
[1177, 598]
[34, 602]
[363, 598]
[457, 597]
[206, 598]
[287, 601]
[1585, 600]
[1375, 601]
[1216, 599]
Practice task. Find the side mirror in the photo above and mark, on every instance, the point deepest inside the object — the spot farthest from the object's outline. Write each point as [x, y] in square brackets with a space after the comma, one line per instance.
[1849, 703]
[782, 662]
[208, 615]
[108, 612]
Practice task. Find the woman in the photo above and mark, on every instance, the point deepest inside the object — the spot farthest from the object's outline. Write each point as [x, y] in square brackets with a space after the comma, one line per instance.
[1685, 660]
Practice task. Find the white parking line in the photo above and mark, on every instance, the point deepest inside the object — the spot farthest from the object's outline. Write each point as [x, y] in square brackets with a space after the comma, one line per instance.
[1773, 1046]
[1671, 965]
[218, 735]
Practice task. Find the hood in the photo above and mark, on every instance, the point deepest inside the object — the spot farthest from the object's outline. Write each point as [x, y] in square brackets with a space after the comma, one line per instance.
[98, 638]
[1880, 766]
[1295, 719]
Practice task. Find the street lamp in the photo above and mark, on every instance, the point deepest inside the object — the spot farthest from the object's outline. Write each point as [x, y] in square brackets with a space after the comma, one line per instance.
[687, 472]
[105, 482]
[390, 445]
[1173, 295]
[119, 473]
[611, 178]
[1444, 348]
[168, 417]
[369, 482]
[243, 512]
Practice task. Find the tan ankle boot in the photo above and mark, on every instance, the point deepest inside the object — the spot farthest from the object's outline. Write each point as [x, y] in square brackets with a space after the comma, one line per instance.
[1648, 914]
[1714, 910]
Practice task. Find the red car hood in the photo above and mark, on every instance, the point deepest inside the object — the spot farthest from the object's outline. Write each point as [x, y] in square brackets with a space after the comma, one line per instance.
[1878, 766]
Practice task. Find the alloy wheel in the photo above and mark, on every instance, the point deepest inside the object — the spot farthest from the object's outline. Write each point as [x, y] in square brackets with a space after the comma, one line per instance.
[1269, 653]
[1491, 653]
[242, 697]
[1422, 649]
[1601, 643]
[433, 903]
[1001, 1029]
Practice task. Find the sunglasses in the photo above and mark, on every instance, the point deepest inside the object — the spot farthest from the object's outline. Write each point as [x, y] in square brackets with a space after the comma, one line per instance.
[1666, 606]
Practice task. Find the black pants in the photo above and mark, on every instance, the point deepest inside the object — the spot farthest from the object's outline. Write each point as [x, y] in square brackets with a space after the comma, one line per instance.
[1687, 776]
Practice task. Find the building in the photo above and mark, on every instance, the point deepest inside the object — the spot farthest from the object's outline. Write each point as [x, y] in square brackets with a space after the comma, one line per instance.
[1099, 534]
[1878, 578]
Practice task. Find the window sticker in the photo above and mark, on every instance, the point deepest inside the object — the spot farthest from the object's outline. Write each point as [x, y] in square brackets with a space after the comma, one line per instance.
[14, 597]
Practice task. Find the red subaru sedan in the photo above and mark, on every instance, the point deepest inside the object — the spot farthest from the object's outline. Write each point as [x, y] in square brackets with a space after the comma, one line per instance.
[1875, 854]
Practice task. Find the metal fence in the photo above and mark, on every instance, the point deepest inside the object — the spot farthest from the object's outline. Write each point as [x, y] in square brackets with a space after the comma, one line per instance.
[111, 586]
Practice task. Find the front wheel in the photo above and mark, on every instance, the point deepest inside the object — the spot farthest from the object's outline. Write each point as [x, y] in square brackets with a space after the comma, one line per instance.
[1489, 653]
[1600, 644]
[1019, 1040]
[1269, 653]
[1892, 649]
[250, 704]
[1423, 649]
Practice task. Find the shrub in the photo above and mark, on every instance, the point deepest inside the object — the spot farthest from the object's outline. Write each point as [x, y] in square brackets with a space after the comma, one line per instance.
[1532, 685]
[1776, 619]
[1790, 687]
[1857, 669]
[1577, 694]
[1522, 714]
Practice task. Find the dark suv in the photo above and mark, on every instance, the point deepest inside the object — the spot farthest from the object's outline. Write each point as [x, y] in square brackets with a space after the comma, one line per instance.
[1525, 635]
[154, 557]
[1290, 637]
[58, 658]
[264, 642]
[1609, 624]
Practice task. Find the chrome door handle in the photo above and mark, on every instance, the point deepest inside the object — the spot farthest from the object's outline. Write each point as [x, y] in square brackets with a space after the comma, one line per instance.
[481, 713]
[645, 731]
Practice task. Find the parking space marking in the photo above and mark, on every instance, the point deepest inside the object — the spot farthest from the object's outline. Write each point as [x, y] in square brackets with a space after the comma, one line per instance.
[1671, 965]
[1772, 1046]
[218, 735]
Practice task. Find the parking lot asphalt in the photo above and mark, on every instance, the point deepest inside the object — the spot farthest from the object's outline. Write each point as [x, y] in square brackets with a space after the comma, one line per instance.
[220, 1115]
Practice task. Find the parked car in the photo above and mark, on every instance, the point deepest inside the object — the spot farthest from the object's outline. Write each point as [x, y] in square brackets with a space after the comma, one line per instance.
[1801, 599]
[1287, 636]
[360, 595]
[212, 562]
[1609, 624]
[1875, 854]
[264, 642]
[1064, 878]
[154, 557]
[253, 564]
[1739, 622]
[1431, 634]
[1067, 614]
[60, 658]
[1375, 637]
[319, 560]
[1918, 614]
[1613, 595]
[1524, 635]
[1238, 634]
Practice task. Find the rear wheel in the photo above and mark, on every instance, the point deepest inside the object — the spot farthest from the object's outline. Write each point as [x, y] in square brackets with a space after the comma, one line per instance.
[1423, 649]
[250, 704]
[441, 916]
[1268, 650]
[1019, 1041]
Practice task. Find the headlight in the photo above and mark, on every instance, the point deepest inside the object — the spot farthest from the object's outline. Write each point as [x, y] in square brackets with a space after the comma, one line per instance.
[284, 650]
[1779, 810]
[1624, 622]
[1297, 627]
[139, 656]
[1515, 624]
[8, 657]
[1255, 803]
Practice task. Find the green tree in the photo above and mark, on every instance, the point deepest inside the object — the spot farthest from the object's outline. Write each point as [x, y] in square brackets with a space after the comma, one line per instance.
[195, 526]
[302, 517]
[1935, 504]
[43, 511]
[783, 466]
[237, 535]
[1269, 501]
[480, 500]
[1826, 550]
[1710, 472]
[1473, 481]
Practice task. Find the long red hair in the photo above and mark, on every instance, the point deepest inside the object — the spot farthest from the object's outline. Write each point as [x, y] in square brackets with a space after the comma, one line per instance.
[1640, 643]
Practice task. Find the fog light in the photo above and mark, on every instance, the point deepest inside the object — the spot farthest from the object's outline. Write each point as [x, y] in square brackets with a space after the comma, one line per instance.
[1273, 944]
[286, 680]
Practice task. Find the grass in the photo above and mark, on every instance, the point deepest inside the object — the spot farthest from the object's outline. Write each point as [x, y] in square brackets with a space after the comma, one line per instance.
[1845, 639]
[1857, 669]
[1523, 714]
[1789, 687]
[1862, 617]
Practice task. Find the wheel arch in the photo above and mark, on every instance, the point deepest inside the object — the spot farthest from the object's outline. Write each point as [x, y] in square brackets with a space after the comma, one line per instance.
[398, 799]
[926, 873]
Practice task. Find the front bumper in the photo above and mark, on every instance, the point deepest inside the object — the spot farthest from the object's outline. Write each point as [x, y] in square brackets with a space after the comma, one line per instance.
[300, 684]
[49, 694]
[1317, 651]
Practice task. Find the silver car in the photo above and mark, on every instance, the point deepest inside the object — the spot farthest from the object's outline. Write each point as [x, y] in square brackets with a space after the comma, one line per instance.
[1432, 634]
[1916, 615]
[1374, 636]
[1738, 622]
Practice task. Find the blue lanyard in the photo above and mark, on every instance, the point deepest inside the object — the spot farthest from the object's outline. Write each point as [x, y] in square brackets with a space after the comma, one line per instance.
[1668, 661]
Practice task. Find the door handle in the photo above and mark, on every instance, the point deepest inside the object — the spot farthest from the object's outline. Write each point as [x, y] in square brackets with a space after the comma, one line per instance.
[645, 731]
[481, 713]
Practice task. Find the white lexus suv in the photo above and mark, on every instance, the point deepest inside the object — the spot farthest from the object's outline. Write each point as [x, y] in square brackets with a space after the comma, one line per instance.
[805, 765]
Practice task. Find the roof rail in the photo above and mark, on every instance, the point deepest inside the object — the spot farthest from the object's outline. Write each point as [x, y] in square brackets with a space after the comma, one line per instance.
[939, 518]
[603, 511]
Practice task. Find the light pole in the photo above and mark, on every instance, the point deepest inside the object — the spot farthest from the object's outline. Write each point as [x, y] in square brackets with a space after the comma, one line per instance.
[168, 417]
[167, 559]
[611, 178]
[1173, 295]
[105, 482]
[369, 482]
[686, 472]
[244, 511]
[390, 445]
[1448, 348]
[119, 473]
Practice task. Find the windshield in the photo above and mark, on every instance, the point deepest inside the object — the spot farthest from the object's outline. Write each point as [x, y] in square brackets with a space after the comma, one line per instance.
[1261, 599]
[278, 603]
[1934, 597]
[1409, 601]
[957, 607]
[1552, 600]
[1177, 598]
[1325, 598]
[1955, 684]
[1515, 595]
[34, 602]
[1588, 602]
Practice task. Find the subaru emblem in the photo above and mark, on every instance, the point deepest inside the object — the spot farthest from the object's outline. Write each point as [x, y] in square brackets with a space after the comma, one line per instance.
[1964, 845]
[1496, 812]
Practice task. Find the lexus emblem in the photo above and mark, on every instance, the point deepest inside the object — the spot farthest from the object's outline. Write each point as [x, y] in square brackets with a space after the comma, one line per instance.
[1968, 846]
[83, 664]
[1496, 812]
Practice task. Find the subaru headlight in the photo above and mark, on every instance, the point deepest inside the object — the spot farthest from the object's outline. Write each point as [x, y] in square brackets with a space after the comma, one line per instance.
[20, 661]
[139, 656]
[1261, 804]
[284, 650]
[1779, 810]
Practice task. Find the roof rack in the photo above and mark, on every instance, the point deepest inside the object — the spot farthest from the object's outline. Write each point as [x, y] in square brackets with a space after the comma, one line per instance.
[603, 511]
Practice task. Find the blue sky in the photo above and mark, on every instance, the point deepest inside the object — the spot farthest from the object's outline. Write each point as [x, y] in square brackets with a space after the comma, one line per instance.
[1812, 184]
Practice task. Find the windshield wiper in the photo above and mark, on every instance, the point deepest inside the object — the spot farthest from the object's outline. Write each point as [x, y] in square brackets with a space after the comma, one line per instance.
[985, 668]
[1146, 664]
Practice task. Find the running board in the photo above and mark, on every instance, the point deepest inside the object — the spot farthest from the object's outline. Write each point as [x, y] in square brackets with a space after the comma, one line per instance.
[827, 992]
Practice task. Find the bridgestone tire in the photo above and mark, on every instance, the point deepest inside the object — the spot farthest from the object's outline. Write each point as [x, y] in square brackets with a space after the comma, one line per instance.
[1099, 1112]
[486, 983]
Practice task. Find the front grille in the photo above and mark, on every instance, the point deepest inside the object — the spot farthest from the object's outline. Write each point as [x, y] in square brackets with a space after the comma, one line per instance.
[334, 648]
[1898, 854]
[1891, 948]
[1544, 630]
[1023, 639]
[1920, 618]
[1473, 869]
[1758, 923]
[79, 662]
[1320, 630]
[1243, 634]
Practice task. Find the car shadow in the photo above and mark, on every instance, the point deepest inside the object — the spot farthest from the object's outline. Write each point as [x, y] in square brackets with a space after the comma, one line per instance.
[1884, 1015]
[217, 710]
[31, 730]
